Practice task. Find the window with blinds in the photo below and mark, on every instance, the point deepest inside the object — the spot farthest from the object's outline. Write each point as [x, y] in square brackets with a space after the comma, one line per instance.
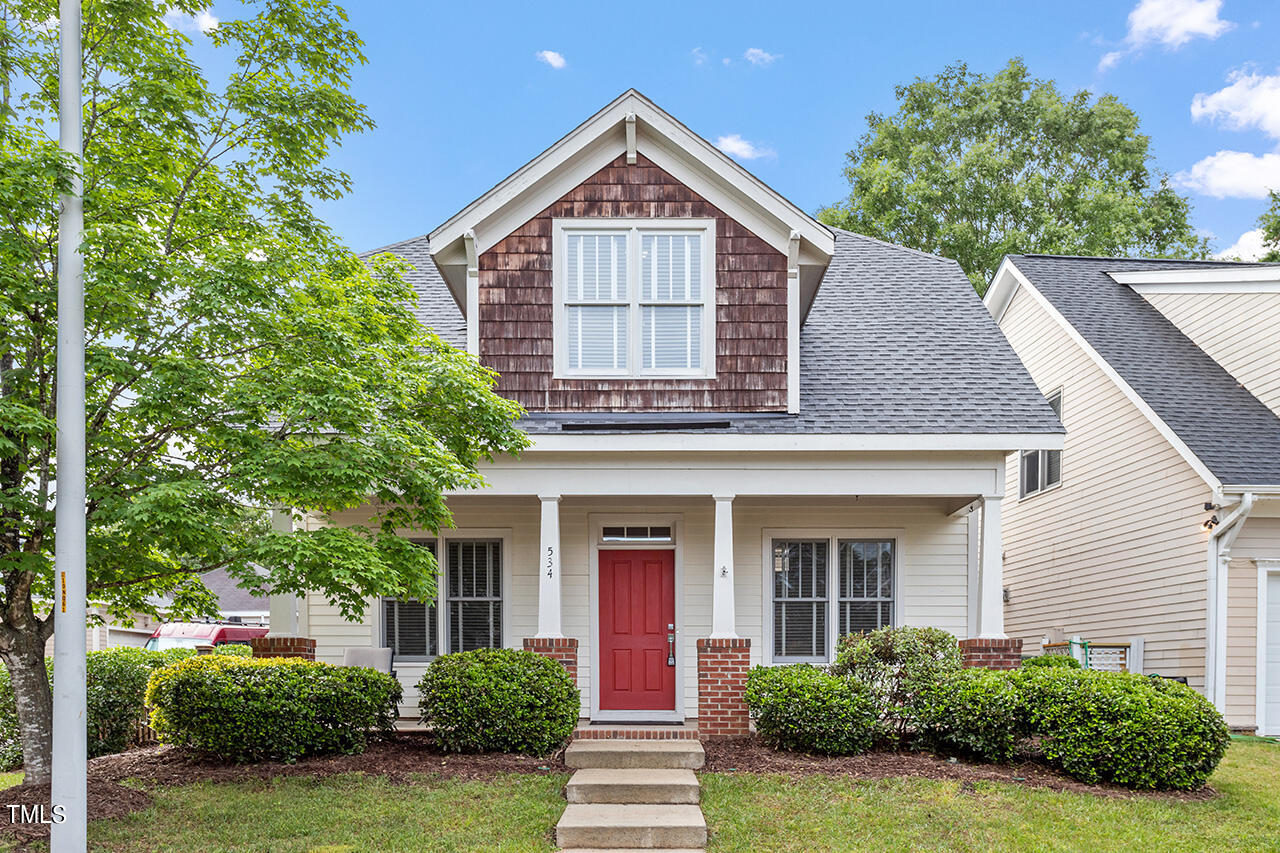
[800, 572]
[635, 300]
[410, 628]
[865, 600]
[473, 594]
[1041, 469]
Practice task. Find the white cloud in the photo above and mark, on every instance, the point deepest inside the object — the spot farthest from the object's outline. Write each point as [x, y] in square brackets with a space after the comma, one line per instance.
[759, 57]
[201, 22]
[1170, 23]
[699, 56]
[735, 146]
[1251, 101]
[1248, 248]
[1233, 174]
[552, 58]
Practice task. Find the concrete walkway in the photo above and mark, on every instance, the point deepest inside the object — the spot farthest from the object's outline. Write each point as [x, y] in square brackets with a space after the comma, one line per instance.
[632, 795]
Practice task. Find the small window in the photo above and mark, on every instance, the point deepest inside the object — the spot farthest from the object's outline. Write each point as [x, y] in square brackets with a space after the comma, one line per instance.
[634, 533]
[474, 594]
[800, 570]
[1041, 469]
[409, 628]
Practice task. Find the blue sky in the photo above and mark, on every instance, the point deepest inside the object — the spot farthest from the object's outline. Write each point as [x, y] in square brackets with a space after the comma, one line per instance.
[462, 96]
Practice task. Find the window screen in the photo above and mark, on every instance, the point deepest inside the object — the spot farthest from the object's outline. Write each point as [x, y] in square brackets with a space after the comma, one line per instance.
[800, 570]
[596, 301]
[671, 301]
[866, 592]
[474, 594]
[409, 628]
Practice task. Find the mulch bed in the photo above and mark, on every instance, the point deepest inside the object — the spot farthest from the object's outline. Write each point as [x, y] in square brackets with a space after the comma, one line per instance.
[106, 799]
[750, 755]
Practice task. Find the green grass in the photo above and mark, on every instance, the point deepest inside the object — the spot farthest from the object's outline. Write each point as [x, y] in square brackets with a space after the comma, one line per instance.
[342, 814]
[751, 813]
[8, 780]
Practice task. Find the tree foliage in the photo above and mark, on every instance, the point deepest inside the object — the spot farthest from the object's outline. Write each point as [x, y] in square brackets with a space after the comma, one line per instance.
[975, 167]
[237, 356]
[1269, 222]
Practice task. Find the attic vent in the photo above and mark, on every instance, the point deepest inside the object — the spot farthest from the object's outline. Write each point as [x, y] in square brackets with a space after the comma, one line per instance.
[643, 426]
[633, 533]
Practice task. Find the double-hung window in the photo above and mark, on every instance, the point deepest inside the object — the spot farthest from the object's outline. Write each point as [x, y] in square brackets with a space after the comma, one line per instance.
[634, 298]
[470, 599]
[410, 627]
[1041, 469]
[824, 588]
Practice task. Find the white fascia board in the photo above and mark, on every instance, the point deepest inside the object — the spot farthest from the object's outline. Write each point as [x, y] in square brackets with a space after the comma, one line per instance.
[1242, 279]
[780, 442]
[997, 303]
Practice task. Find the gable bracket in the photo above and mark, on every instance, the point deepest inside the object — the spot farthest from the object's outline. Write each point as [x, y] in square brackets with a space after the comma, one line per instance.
[631, 139]
[473, 293]
[793, 323]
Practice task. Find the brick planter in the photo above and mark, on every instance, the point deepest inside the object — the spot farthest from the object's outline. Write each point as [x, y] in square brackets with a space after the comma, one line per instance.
[992, 654]
[722, 678]
[563, 649]
[283, 647]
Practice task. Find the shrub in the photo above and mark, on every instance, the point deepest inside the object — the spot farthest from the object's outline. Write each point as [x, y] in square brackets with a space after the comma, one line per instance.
[975, 712]
[235, 650]
[498, 700]
[1128, 729]
[896, 664]
[249, 709]
[1052, 661]
[806, 709]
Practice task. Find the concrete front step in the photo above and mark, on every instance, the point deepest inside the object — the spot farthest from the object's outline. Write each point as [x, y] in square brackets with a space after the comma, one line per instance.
[612, 826]
[625, 754]
[634, 785]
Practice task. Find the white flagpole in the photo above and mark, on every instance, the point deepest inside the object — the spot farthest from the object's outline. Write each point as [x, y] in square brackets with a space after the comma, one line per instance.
[70, 751]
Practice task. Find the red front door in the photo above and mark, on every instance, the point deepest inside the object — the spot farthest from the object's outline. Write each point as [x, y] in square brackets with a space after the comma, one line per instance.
[637, 614]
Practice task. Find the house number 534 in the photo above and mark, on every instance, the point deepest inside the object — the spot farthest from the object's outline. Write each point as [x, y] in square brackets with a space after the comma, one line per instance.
[551, 560]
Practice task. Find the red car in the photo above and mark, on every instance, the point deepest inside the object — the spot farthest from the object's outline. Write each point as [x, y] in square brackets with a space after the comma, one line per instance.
[188, 635]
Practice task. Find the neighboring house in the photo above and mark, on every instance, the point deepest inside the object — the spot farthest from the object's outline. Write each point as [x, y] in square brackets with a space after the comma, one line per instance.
[752, 433]
[1160, 518]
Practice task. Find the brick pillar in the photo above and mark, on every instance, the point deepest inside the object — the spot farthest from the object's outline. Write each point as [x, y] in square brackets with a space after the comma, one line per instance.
[563, 649]
[993, 654]
[283, 647]
[722, 678]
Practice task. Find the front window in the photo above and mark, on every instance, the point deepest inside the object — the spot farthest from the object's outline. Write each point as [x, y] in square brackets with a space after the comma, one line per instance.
[1041, 469]
[474, 594]
[410, 627]
[634, 298]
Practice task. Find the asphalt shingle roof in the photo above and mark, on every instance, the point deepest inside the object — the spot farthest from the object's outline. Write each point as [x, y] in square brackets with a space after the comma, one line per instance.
[1233, 433]
[896, 341]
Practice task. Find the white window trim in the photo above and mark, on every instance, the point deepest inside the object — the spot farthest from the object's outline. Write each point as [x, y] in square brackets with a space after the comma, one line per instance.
[595, 526]
[502, 534]
[1264, 726]
[1044, 455]
[559, 249]
[833, 536]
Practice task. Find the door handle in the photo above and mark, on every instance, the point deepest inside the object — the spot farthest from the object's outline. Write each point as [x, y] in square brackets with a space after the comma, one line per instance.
[671, 649]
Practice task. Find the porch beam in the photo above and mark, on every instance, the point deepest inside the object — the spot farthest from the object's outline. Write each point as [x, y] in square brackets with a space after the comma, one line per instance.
[722, 603]
[991, 604]
[549, 569]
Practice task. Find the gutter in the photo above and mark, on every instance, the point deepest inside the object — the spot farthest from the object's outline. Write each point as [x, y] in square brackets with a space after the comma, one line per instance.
[1221, 538]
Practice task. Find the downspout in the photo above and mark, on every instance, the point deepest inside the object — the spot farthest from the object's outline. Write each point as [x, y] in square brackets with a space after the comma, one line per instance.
[1221, 538]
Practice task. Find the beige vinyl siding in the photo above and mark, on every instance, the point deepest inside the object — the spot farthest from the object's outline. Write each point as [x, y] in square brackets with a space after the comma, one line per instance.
[1116, 551]
[933, 571]
[1259, 540]
[1240, 331]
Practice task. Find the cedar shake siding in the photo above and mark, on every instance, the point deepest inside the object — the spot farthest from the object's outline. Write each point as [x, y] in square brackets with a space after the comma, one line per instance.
[516, 305]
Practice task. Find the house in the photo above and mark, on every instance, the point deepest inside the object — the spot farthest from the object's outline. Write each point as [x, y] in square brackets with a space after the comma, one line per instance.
[1160, 517]
[751, 433]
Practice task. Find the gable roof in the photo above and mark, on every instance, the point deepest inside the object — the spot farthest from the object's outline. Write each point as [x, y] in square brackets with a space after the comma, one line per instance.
[1226, 428]
[896, 342]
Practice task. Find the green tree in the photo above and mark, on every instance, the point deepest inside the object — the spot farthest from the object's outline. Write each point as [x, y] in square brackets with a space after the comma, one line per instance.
[975, 167]
[238, 358]
[1269, 222]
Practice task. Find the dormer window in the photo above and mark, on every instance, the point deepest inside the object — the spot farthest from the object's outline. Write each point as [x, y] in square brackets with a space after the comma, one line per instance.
[634, 298]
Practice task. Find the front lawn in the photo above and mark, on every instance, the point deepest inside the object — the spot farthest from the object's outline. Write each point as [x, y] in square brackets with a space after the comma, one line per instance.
[748, 812]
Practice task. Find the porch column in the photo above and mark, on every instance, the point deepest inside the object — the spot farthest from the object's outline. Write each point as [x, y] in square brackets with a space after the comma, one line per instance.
[549, 569]
[991, 605]
[284, 607]
[722, 606]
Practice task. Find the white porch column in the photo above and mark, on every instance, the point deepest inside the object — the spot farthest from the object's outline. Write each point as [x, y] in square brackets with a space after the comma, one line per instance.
[283, 607]
[722, 606]
[549, 569]
[991, 605]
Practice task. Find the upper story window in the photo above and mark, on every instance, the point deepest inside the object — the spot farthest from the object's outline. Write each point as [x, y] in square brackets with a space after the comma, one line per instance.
[634, 297]
[1041, 469]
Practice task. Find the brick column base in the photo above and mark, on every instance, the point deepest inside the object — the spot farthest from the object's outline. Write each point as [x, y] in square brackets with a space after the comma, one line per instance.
[722, 679]
[992, 654]
[283, 647]
[563, 649]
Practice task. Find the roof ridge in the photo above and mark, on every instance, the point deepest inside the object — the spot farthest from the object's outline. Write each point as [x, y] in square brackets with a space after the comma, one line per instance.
[1136, 260]
[391, 246]
[929, 255]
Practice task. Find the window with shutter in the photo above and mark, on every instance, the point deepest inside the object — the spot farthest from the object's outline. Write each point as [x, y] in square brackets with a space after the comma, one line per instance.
[634, 297]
